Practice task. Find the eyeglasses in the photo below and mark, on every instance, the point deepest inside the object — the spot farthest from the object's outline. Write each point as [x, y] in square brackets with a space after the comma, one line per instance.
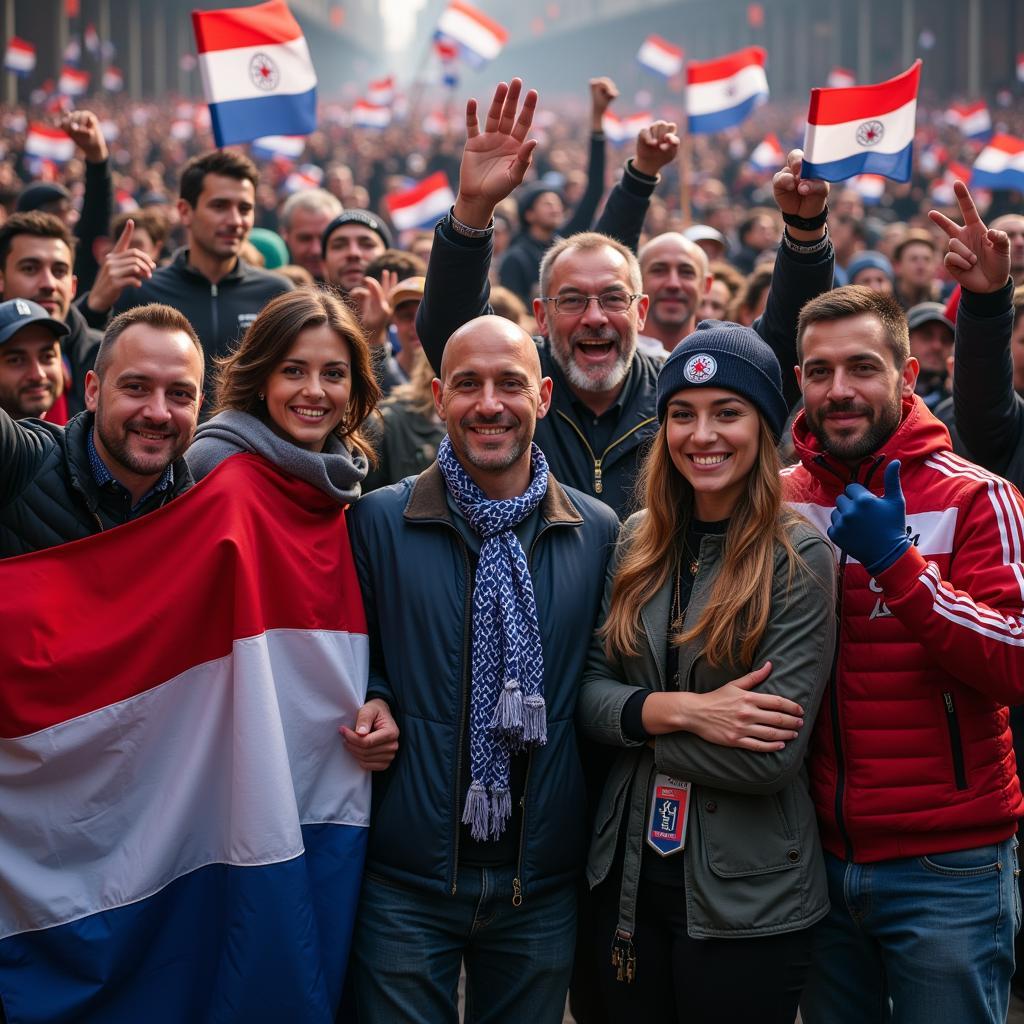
[573, 303]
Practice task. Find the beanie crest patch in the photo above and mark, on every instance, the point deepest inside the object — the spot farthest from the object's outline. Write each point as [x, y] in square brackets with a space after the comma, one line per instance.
[700, 368]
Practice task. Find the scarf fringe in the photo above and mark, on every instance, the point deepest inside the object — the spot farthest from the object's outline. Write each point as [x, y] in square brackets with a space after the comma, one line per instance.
[501, 811]
[508, 709]
[535, 720]
[477, 812]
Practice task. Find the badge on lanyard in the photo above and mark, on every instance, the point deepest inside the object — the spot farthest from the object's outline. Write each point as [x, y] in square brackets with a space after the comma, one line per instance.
[670, 805]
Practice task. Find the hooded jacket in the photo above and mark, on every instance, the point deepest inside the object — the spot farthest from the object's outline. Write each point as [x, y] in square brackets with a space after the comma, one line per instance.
[912, 752]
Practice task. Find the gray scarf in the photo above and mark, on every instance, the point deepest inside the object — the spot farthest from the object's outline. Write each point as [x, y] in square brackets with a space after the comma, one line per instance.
[336, 471]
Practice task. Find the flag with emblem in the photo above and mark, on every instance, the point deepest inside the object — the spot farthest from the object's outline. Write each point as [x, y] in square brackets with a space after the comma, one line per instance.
[721, 93]
[258, 76]
[182, 831]
[867, 129]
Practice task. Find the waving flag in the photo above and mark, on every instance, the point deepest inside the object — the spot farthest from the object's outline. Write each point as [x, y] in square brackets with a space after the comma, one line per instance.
[423, 205]
[369, 115]
[972, 119]
[479, 38]
[871, 188]
[768, 155]
[113, 79]
[92, 39]
[181, 829]
[73, 51]
[382, 91]
[868, 129]
[73, 82]
[290, 147]
[1000, 164]
[660, 56]
[20, 56]
[841, 78]
[306, 176]
[621, 130]
[48, 143]
[721, 93]
[941, 190]
[258, 77]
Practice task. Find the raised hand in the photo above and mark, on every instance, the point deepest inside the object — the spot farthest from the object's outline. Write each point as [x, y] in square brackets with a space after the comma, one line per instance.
[495, 160]
[803, 197]
[872, 529]
[977, 257]
[656, 146]
[123, 267]
[84, 128]
[372, 306]
[603, 91]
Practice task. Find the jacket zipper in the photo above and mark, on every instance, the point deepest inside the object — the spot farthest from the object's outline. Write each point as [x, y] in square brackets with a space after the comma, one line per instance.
[463, 702]
[955, 741]
[599, 460]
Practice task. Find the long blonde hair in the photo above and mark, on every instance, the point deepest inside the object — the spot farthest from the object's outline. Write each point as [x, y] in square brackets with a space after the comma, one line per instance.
[736, 614]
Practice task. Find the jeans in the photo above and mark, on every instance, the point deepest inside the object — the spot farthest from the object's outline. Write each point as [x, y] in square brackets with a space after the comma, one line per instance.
[409, 946]
[918, 940]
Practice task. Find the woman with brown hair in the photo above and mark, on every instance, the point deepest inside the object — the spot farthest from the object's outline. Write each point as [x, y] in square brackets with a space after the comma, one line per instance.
[296, 391]
[714, 649]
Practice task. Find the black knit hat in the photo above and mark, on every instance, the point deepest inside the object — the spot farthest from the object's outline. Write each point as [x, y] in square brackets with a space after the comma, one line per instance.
[364, 217]
[724, 355]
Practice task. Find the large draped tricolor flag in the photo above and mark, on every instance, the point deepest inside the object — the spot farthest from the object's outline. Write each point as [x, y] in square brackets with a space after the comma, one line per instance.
[721, 93]
[479, 38]
[258, 76]
[866, 129]
[181, 829]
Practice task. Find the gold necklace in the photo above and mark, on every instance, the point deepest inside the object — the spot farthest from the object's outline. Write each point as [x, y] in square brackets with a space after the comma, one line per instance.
[694, 559]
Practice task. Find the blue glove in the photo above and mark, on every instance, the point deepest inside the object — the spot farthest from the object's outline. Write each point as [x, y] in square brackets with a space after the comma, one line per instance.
[873, 530]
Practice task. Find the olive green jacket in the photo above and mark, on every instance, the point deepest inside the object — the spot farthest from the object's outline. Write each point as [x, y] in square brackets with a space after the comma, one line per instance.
[753, 863]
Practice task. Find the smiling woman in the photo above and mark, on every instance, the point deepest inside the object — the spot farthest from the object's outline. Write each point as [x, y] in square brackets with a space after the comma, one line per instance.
[296, 391]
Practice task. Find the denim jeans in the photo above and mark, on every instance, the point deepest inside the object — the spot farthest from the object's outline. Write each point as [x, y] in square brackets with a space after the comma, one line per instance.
[409, 946]
[919, 940]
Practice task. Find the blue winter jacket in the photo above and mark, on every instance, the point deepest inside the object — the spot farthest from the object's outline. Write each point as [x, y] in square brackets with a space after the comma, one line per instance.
[415, 572]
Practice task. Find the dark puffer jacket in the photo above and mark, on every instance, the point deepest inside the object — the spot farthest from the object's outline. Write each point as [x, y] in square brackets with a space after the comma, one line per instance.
[414, 568]
[47, 492]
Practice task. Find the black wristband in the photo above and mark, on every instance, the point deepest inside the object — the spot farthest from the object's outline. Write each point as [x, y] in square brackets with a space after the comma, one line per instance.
[806, 223]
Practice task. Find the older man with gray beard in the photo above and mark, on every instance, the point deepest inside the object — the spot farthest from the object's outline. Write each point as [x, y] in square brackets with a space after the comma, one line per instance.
[592, 303]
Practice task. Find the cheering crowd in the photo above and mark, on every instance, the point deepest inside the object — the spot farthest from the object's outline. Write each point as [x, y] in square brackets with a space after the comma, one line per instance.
[691, 554]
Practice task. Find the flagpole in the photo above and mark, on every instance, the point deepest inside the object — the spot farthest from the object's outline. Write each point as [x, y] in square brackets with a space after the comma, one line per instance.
[684, 161]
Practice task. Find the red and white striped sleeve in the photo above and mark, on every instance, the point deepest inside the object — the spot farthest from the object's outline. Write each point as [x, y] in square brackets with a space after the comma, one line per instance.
[971, 624]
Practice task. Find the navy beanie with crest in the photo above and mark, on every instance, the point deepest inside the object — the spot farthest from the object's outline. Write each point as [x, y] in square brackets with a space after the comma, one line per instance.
[724, 355]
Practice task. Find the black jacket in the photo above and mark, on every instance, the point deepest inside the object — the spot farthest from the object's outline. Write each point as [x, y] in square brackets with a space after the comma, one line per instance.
[415, 571]
[80, 348]
[457, 291]
[220, 313]
[989, 414]
[47, 492]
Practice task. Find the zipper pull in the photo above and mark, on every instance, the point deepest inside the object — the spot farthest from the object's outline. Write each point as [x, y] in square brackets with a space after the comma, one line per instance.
[517, 893]
[598, 485]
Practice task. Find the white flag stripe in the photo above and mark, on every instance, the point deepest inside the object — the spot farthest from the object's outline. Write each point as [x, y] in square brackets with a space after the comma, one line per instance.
[839, 141]
[227, 74]
[102, 778]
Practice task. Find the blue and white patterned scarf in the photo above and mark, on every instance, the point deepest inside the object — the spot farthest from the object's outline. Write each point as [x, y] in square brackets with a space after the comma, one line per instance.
[507, 710]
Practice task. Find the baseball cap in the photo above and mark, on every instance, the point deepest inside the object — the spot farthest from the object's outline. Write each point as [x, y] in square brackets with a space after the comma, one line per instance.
[704, 233]
[409, 290]
[18, 313]
[926, 313]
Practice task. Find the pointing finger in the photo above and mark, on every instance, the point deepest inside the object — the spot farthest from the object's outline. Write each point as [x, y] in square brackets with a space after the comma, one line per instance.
[967, 208]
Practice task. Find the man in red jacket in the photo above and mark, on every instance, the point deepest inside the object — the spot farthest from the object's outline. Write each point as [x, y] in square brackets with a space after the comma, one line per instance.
[912, 768]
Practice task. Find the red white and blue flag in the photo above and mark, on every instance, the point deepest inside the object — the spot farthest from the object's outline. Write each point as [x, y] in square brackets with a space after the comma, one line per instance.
[423, 205]
[479, 38]
[92, 39]
[258, 77]
[768, 155]
[660, 56]
[288, 147]
[721, 93]
[182, 831]
[73, 50]
[867, 129]
[305, 176]
[973, 120]
[841, 78]
[382, 91]
[620, 130]
[941, 190]
[1000, 164]
[370, 115]
[48, 143]
[73, 82]
[20, 56]
[113, 79]
[871, 188]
